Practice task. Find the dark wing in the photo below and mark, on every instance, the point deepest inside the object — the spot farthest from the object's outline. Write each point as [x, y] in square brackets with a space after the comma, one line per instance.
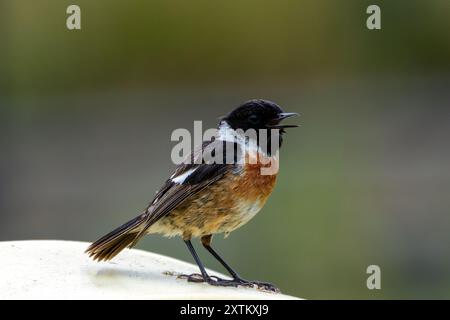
[187, 180]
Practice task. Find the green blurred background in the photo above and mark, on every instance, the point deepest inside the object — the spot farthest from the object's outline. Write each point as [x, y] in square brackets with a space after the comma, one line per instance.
[86, 118]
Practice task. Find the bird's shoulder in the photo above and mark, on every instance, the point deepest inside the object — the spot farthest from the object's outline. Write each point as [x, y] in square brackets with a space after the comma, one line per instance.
[205, 165]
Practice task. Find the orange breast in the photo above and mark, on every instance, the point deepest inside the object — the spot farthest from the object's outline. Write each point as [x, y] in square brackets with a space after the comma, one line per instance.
[260, 175]
[225, 205]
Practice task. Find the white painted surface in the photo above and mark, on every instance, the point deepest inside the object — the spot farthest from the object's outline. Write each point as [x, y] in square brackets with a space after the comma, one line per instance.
[51, 269]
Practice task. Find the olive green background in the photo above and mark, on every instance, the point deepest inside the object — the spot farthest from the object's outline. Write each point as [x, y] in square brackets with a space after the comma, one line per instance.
[86, 118]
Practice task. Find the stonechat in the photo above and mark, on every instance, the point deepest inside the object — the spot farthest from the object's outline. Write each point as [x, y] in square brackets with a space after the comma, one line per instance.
[206, 197]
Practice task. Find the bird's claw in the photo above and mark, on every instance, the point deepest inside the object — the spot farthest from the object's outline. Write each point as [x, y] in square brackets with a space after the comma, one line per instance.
[212, 280]
[195, 277]
[266, 286]
[219, 282]
[244, 283]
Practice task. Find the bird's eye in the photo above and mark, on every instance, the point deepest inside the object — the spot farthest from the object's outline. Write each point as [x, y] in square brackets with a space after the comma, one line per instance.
[253, 119]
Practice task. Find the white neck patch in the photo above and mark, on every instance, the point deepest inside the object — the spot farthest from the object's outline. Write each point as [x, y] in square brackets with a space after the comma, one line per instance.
[243, 139]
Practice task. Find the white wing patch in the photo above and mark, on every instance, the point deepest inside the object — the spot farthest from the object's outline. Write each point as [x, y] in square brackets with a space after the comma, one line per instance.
[182, 177]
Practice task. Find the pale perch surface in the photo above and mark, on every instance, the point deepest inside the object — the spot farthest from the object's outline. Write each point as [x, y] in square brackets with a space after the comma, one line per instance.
[51, 269]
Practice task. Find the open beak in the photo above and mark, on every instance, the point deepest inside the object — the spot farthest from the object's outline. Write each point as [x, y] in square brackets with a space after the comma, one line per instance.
[275, 123]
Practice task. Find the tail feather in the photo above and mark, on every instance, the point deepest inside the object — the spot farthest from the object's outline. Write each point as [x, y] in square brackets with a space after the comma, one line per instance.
[111, 244]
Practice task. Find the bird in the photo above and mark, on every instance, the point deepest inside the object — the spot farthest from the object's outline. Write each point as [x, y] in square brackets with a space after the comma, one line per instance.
[205, 198]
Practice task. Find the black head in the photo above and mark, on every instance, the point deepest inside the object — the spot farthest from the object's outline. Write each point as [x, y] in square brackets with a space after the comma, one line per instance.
[258, 114]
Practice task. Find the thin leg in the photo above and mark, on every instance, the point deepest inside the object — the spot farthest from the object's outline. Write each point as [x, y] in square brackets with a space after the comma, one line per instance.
[237, 280]
[203, 277]
[204, 274]
[206, 241]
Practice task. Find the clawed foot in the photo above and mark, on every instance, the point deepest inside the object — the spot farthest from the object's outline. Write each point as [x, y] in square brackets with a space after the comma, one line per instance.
[212, 280]
[195, 277]
[216, 281]
[266, 286]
